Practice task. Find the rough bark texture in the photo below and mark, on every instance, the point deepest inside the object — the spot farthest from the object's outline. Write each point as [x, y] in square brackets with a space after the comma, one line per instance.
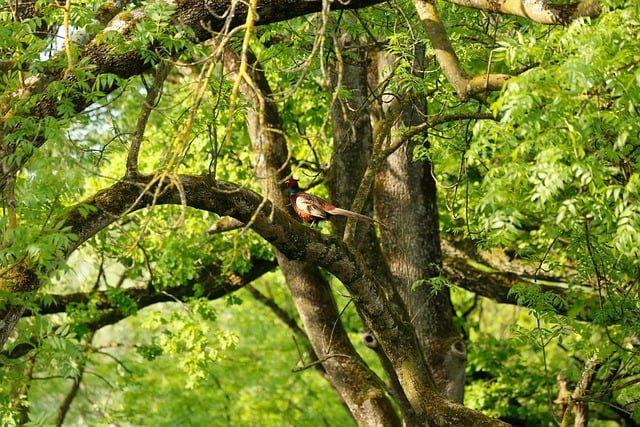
[538, 11]
[465, 86]
[406, 202]
[19, 281]
[580, 397]
[356, 384]
[353, 142]
[359, 388]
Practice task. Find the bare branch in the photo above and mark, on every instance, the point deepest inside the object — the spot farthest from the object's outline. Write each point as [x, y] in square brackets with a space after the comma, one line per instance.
[225, 224]
[578, 396]
[464, 85]
[214, 284]
[539, 11]
[153, 96]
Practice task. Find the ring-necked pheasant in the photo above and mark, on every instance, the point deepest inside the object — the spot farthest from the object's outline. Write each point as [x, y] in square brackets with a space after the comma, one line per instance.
[313, 209]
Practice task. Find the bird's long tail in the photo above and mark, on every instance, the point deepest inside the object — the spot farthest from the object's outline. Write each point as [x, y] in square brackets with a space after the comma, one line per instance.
[360, 217]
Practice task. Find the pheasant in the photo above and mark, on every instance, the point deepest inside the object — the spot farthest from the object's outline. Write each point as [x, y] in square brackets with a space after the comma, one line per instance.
[313, 209]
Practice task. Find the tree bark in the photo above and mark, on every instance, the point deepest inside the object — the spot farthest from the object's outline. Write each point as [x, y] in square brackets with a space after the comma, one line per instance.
[578, 399]
[465, 86]
[359, 388]
[538, 11]
[352, 148]
[406, 202]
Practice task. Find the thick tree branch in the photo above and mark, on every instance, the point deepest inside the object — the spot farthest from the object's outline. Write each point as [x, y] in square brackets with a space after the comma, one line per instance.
[464, 85]
[295, 241]
[204, 18]
[299, 243]
[539, 11]
[475, 275]
[214, 284]
[126, 196]
[352, 148]
[405, 199]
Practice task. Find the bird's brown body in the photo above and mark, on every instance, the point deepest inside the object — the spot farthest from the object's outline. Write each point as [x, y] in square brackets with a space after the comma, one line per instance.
[313, 209]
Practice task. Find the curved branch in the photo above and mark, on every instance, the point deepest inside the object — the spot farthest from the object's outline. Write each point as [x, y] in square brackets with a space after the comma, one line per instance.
[214, 284]
[150, 101]
[536, 10]
[464, 85]
[412, 131]
[211, 288]
[204, 18]
[474, 275]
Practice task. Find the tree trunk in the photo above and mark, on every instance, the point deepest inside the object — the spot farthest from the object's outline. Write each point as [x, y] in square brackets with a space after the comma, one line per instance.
[352, 149]
[352, 145]
[359, 388]
[406, 202]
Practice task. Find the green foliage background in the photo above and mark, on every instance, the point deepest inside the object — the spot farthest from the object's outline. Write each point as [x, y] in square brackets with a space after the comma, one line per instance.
[552, 183]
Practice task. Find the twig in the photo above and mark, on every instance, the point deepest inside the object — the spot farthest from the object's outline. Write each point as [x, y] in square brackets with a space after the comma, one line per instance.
[577, 397]
[151, 100]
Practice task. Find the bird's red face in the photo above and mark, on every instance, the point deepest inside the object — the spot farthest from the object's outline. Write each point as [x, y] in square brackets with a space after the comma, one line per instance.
[291, 183]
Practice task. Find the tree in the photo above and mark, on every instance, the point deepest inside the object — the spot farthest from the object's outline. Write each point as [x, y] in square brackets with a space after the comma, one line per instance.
[187, 203]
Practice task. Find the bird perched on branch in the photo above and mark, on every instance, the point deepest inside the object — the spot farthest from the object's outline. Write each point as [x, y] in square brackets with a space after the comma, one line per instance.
[313, 209]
